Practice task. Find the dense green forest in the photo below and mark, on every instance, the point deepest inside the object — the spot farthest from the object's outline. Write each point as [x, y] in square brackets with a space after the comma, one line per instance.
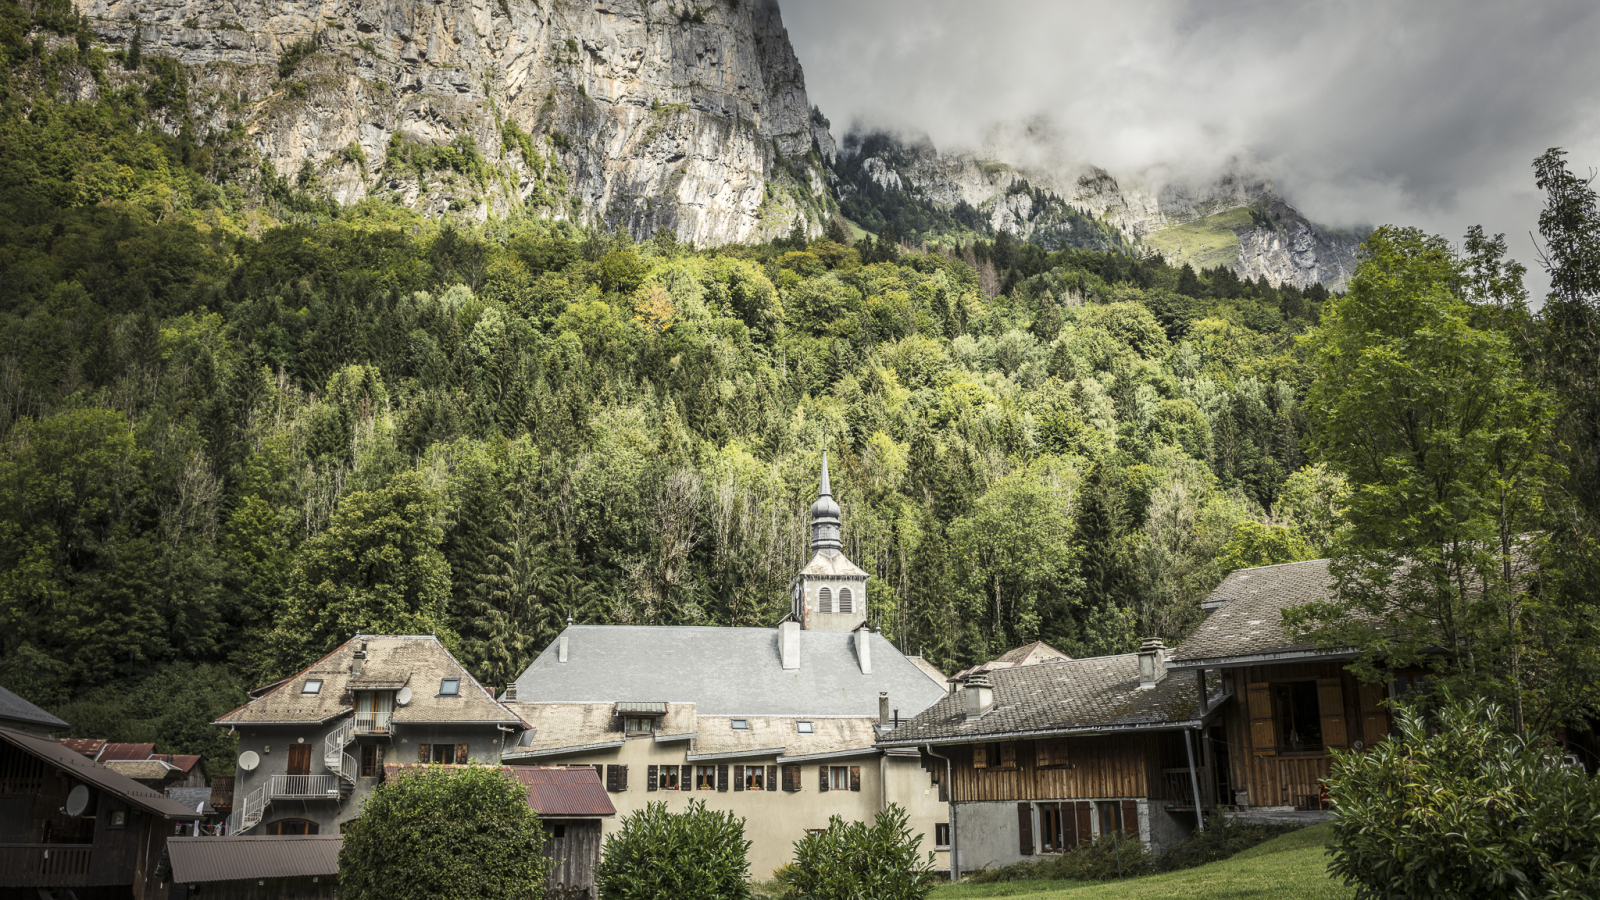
[239, 423]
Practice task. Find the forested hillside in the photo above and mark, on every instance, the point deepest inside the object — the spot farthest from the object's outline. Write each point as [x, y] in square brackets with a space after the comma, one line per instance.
[239, 423]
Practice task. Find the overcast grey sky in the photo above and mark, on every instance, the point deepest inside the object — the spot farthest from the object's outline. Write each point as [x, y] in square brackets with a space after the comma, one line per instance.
[1360, 111]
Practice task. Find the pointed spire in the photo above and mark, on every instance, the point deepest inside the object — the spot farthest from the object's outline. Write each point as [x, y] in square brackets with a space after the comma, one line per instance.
[827, 489]
[825, 516]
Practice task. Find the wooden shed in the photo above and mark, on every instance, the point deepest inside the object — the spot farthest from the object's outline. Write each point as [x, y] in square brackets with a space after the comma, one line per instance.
[570, 802]
[255, 867]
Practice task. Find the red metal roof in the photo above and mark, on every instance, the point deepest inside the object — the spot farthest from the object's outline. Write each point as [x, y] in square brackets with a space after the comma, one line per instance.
[89, 747]
[184, 761]
[551, 791]
[127, 751]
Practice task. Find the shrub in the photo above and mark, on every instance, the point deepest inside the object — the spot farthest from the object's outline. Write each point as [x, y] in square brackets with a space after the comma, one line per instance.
[850, 860]
[437, 833]
[693, 855]
[1457, 808]
[1221, 839]
[1108, 858]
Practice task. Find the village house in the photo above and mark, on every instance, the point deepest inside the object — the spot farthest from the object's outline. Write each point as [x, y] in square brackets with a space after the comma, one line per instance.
[777, 725]
[1039, 759]
[313, 745]
[70, 826]
[1291, 702]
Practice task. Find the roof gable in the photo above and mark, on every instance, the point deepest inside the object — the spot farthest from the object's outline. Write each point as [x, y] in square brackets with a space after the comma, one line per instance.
[1247, 614]
[84, 769]
[16, 709]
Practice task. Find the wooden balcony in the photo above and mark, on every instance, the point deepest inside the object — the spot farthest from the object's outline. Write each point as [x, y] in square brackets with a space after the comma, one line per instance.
[1176, 790]
[47, 865]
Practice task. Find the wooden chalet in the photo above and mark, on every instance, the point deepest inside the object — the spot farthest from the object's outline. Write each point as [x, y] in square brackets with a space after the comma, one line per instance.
[1290, 704]
[1039, 759]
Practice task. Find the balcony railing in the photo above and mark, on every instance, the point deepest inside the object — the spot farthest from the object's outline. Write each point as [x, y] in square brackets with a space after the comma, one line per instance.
[44, 865]
[1178, 788]
[372, 723]
[303, 787]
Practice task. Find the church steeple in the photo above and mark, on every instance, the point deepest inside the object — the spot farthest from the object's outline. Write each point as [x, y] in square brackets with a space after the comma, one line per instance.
[825, 528]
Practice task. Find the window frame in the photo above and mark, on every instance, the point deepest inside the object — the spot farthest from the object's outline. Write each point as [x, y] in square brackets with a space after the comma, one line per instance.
[666, 774]
[755, 778]
[739, 724]
[309, 827]
[450, 687]
[705, 778]
[1285, 705]
[312, 687]
[805, 727]
[941, 829]
[838, 778]
[371, 762]
[628, 723]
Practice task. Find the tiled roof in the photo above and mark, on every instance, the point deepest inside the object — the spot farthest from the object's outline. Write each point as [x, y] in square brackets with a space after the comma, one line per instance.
[222, 792]
[126, 752]
[726, 671]
[419, 663]
[573, 726]
[195, 798]
[17, 709]
[84, 769]
[89, 747]
[141, 769]
[832, 564]
[1247, 616]
[561, 725]
[1102, 693]
[717, 736]
[1026, 655]
[198, 860]
[930, 670]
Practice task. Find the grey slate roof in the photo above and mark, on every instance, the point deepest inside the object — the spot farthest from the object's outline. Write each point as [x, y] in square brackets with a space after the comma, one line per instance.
[1063, 696]
[1247, 617]
[16, 709]
[195, 798]
[726, 672]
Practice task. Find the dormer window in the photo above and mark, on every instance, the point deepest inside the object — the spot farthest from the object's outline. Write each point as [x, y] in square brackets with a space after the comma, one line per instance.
[639, 724]
[450, 687]
[312, 686]
[741, 725]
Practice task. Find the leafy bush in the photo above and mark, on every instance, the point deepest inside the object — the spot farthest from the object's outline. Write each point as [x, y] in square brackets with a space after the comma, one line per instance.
[693, 855]
[1457, 808]
[1221, 839]
[438, 833]
[850, 860]
[1108, 858]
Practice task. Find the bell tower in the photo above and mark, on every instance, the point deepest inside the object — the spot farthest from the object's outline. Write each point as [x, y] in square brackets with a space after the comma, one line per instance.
[830, 593]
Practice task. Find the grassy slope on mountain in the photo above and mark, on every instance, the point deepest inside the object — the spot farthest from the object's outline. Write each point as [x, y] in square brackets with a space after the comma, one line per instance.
[1204, 243]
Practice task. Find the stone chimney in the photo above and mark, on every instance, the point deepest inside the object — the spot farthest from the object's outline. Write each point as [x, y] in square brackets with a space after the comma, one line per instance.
[864, 650]
[1152, 663]
[979, 695]
[511, 691]
[561, 649]
[358, 660]
[789, 645]
[883, 710]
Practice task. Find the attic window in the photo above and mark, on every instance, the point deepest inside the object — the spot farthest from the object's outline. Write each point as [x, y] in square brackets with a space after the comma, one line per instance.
[449, 687]
[803, 727]
[312, 686]
[741, 725]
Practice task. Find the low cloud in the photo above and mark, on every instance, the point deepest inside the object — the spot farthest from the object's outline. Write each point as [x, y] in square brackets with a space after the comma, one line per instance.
[1360, 111]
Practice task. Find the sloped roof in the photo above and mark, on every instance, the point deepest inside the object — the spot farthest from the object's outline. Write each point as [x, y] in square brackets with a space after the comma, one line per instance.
[574, 727]
[142, 769]
[1026, 655]
[16, 709]
[832, 564]
[560, 726]
[930, 670]
[114, 751]
[87, 770]
[726, 671]
[195, 798]
[565, 792]
[196, 860]
[717, 736]
[417, 662]
[89, 747]
[1247, 614]
[1079, 695]
[222, 792]
[184, 762]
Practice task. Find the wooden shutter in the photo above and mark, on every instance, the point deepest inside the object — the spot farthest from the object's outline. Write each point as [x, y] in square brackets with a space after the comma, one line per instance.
[738, 778]
[1008, 756]
[650, 778]
[722, 778]
[1085, 821]
[686, 778]
[1374, 719]
[422, 753]
[622, 778]
[1330, 703]
[855, 778]
[611, 778]
[1069, 826]
[1263, 736]
[1025, 829]
[461, 754]
[980, 756]
[772, 779]
[823, 771]
[1130, 818]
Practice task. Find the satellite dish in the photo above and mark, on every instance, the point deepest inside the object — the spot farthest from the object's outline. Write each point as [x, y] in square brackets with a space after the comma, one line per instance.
[248, 760]
[403, 696]
[78, 801]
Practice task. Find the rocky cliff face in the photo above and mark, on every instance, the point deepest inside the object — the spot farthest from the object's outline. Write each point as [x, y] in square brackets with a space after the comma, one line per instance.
[1076, 205]
[642, 114]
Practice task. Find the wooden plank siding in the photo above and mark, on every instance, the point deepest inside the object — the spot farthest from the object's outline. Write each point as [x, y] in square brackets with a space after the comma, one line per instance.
[1096, 767]
[1277, 777]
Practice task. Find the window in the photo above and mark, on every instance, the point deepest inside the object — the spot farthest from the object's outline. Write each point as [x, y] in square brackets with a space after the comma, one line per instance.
[638, 724]
[755, 778]
[371, 760]
[824, 601]
[741, 725]
[1007, 756]
[844, 600]
[803, 727]
[293, 826]
[558, 830]
[1299, 716]
[980, 756]
[669, 778]
[616, 778]
[705, 778]
[941, 835]
[791, 779]
[839, 778]
[119, 818]
[312, 686]
[449, 687]
[442, 754]
[1052, 838]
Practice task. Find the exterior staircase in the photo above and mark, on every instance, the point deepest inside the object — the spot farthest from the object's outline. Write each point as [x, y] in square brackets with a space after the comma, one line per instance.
[250, 809]
[338, 761]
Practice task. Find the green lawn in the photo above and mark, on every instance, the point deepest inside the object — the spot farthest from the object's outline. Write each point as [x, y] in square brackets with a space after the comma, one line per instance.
[1295, 865]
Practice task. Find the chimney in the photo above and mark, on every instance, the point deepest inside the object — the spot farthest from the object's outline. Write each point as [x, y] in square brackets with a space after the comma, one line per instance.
[511, 691]
[864, 650]
[883, 710]
[561, 648]
[789, 645]
[1152, 663]
[979, 695]
[358, 661]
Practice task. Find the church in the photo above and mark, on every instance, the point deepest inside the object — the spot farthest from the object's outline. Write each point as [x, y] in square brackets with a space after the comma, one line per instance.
[778, 725]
